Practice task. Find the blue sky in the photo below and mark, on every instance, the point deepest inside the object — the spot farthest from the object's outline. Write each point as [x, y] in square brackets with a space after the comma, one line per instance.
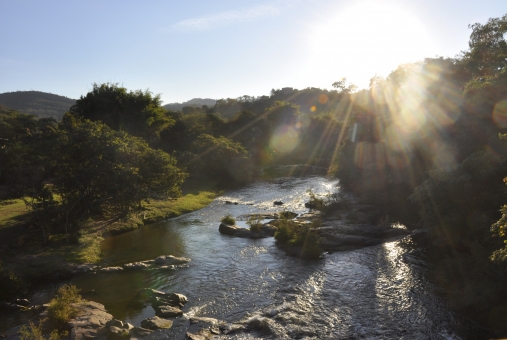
[218, 49]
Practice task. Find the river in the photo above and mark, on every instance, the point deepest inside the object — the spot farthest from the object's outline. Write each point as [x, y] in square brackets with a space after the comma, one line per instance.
[377, 292]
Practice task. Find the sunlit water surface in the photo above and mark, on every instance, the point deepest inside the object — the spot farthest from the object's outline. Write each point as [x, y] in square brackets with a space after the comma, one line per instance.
[374, 293]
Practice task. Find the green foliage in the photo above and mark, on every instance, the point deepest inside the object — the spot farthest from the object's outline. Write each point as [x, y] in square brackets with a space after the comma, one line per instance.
[137, 112]
[61, 308]
[104, 170]
[35, 332]
[472, 187]
[219, 158]
[488, 47]
[228, 220]
[255, 223]
[304, 236]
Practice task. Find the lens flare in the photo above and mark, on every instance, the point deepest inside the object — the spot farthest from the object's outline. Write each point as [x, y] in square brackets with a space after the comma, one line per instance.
[284, 139]
[323, 98]
[500, 114]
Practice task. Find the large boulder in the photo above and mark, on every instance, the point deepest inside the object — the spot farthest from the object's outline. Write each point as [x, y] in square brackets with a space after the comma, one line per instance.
[156, 323]
[90, 322]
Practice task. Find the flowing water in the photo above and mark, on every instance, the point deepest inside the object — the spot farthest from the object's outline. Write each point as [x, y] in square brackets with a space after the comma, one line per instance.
[376, 292]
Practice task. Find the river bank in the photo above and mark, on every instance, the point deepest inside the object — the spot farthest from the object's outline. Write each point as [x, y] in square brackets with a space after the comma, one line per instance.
[33, 264]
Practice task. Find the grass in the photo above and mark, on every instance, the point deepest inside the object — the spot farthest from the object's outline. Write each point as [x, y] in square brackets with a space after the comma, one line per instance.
[255, 223]
[228, 220]
[302, 236]
[12, 212]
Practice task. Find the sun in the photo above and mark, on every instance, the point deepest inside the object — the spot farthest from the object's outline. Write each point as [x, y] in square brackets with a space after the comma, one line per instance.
[367, 38]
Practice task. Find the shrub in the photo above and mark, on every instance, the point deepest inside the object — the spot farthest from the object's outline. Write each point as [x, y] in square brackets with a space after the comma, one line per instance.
[255, 223]
[291, 233]
[61, 308]
[228, 220]
[34, 332]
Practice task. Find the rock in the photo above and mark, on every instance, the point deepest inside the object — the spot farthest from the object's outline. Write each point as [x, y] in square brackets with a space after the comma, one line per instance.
[156, 323]
[287, 214]
[139, 332]
[227, 229]
[136, 265]
[171, 267]
[239, 232]
[117, 333]
[202, 335]
[335, 235]
[168, 311]
[85, 268]
[177, 299]
[269, 229]
[90, 322]
[277, 203]
[110, 269]
[115, 323]
[174, 299]
[171, 260]
[22, 302]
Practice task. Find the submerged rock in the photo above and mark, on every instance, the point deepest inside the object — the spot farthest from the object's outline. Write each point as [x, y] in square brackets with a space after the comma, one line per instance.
[171, 260]
[136, 265]
[110, 269]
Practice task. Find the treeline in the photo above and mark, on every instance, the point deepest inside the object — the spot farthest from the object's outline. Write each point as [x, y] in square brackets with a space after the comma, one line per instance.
[115, 149]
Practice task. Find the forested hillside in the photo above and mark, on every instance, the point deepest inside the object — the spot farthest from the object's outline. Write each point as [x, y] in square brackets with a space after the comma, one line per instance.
[196, 102]
[40, 104]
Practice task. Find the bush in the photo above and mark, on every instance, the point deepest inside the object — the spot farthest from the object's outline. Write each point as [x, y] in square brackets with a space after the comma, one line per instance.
[60, 309]
[34, 332]
[228, 220]
[255, 223]
[291, 233]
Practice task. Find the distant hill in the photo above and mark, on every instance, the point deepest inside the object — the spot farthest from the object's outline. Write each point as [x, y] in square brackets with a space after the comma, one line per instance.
[40, 104]
[192, 102]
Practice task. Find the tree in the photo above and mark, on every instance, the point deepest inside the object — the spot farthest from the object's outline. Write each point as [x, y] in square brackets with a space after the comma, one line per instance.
[488, 48]
[219, 158]
[343, 86]
[137, 112]
[99, 169]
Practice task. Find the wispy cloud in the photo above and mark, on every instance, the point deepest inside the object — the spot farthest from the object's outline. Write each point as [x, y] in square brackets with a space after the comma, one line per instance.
[206, 23]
